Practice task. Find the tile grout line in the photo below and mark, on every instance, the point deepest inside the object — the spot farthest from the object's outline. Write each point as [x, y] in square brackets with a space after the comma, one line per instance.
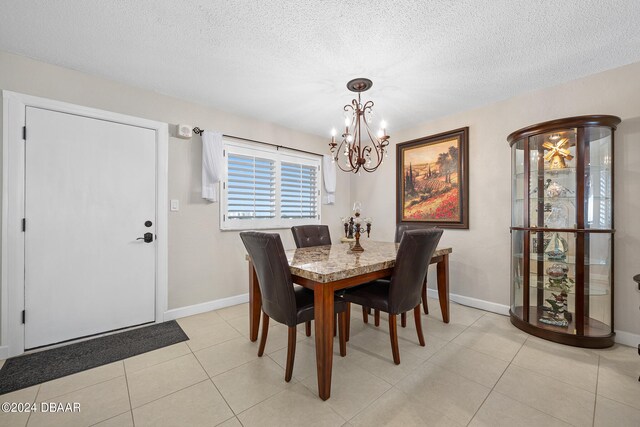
[115, 416]
[87, 386]
[220, 392]
[168, 394]
[595, 401]
[369, 405]
[126, 380]
[214, 385]
[496, 383]
[422, 363]
[35, 400]
[564, 381]
[524, 403]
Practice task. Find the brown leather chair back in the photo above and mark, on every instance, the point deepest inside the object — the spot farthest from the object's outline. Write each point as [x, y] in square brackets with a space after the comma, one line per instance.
[274, 277]
[412, 261]
[401, 228]
[311, 235]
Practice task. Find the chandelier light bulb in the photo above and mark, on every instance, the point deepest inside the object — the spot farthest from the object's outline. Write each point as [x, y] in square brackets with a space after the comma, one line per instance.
[346, 121]
[333, 132]
[383, 124]
[380, 133]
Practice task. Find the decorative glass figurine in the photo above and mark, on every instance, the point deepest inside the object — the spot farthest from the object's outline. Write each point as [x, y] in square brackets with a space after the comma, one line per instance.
[557, 313]
[557, 248]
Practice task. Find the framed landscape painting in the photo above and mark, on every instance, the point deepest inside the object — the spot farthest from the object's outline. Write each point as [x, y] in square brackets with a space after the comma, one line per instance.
[432, 178]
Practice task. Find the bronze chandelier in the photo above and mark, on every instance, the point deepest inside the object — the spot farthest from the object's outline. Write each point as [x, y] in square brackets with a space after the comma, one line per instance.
[351, 155]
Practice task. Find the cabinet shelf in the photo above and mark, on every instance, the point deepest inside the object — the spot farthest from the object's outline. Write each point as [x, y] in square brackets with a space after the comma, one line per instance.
[570, 260]
[595, 289]
[568, 171]
[534, 200]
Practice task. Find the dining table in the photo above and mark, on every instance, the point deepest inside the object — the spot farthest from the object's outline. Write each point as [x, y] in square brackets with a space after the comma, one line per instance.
[326, 269]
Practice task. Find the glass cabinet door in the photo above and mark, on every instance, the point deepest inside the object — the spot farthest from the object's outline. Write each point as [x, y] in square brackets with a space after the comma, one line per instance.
[552, 184]
[597, 284]
[517, 271]
[517, 184]
[598, 178]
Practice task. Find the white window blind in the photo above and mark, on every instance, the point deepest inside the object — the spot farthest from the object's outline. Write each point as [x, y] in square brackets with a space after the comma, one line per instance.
[299, 191]
[251, 187]
[267, 188]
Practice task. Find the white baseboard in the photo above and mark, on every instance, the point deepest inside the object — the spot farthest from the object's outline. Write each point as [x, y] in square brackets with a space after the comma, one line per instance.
[4, 352]
[622, 337]
[627, 338]
[473, 302]
[190, 310]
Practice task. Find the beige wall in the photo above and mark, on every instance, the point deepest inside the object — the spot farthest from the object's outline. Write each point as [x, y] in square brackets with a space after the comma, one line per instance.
[205, 264]
[480, 262]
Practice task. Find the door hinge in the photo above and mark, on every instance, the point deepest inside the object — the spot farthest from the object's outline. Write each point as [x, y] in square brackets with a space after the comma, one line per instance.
[224, 218]
[23, 316]
[24, 133]
[224, 185]
[24, 224]
[224, 153]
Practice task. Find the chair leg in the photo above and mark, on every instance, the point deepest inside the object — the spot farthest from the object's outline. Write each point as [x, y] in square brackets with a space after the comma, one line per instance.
[291, 353]
[342, 323]
[424, 297]
[376, 317]
[365, 315]
[416, 314]
[403, 320]
[393, 334]
[348, 325]
[265, 331]
[307, 328]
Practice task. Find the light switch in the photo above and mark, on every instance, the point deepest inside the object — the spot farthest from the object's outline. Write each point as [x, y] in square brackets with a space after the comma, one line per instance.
[175, 205]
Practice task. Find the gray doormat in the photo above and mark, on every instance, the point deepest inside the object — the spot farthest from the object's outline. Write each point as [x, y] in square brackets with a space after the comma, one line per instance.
[31, 369]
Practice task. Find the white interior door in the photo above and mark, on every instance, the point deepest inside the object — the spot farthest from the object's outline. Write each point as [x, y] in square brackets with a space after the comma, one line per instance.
[90, 186]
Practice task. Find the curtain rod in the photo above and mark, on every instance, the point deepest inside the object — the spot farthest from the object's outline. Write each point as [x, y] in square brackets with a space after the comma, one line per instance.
[199, 131]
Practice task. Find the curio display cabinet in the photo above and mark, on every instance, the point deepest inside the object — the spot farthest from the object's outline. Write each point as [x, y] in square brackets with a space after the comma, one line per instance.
[562, 230]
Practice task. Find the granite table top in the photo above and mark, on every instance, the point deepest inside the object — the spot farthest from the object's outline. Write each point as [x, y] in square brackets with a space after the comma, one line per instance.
[335, 262]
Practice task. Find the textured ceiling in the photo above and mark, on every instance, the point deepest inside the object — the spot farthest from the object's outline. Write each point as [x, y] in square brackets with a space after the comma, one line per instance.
[288, 61]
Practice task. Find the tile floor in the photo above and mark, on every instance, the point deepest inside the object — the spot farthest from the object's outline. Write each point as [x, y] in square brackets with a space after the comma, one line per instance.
[478, 370]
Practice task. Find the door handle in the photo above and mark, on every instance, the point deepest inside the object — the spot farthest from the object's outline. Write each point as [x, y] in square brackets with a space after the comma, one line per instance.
[148, 237]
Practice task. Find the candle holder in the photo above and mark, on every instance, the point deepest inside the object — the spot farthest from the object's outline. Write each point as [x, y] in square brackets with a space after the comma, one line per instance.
[355, 226]
[356, 246]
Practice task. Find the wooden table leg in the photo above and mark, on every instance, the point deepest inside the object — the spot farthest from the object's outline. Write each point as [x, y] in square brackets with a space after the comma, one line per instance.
[443, 287]
[324, 317]
[255, 303]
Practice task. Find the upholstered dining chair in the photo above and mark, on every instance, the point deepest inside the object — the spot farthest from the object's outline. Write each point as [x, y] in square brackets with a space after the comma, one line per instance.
[400, 230]
[311, 235]
[307, 236]
[280, 300]
[402, 292]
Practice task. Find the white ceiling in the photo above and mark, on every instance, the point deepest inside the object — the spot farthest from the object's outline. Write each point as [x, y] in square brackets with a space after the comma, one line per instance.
[287, 62]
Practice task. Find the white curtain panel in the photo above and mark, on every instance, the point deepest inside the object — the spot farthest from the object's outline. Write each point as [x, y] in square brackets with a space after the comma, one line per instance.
[212, 164]
[329, 177]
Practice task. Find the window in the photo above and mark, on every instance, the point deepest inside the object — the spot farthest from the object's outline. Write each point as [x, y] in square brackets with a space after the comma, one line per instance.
[267, 188]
